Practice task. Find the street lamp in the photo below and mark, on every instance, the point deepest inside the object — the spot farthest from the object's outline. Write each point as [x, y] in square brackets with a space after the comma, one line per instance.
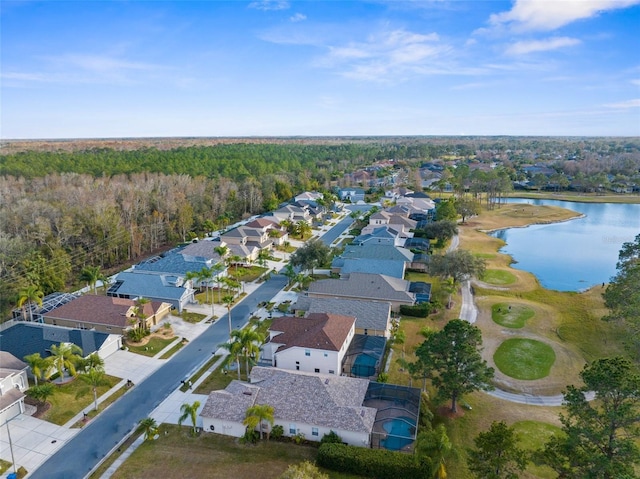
[13, 460]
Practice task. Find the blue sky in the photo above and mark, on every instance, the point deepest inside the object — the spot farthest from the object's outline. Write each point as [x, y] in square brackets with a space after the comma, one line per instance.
[274, 67]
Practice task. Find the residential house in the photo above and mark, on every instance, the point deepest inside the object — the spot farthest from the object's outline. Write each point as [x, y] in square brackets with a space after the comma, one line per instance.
[13, 383]
[373, 258]
[308, 196]
[24, 338]
[380, 235]
[105, 313]
[372, 317]
[165, 288]
[271, 227]
[308, 404]
[293, 213]
[352, 195]
[315, 343]
[366, 287]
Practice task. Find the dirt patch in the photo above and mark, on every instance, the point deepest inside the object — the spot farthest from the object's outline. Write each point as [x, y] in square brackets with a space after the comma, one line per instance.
[41, 408]
[445, 411]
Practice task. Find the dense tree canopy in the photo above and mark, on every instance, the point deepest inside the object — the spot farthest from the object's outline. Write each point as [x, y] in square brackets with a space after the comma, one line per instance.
[459, 265]
[600, 439]
[496, 454]
[312, 254]
[622, 296]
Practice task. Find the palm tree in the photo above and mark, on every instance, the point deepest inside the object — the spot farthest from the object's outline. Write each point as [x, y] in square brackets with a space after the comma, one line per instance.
[139, 312]
[290, 272]
[38, 365]
[399, 338]
[258, 413]
[91, 362]
[63, 357]
[205, 275]
[94, 378]
[92, 274]
[150, 427]
[30, 294]
[216, 269]
[436, 445]
[263, 256]
[304, 229]
[189, 410]
[235, 350]
[250, 341]
[228, 300]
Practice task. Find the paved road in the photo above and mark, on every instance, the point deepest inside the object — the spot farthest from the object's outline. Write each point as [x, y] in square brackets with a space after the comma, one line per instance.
[76, 458]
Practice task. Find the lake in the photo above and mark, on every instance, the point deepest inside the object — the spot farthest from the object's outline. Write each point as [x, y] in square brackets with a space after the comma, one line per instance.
[577, 254]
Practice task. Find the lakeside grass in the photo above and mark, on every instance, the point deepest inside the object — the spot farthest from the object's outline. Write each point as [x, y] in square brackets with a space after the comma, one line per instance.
[577, 197]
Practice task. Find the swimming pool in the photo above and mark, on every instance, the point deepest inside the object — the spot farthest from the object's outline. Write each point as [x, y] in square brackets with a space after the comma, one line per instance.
[400, 433]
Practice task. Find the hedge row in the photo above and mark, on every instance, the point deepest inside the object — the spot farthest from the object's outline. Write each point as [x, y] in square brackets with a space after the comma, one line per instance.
[373, 463]
[418, 311]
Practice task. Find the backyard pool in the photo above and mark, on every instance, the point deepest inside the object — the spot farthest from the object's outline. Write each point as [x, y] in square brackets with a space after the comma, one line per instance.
[400, 433]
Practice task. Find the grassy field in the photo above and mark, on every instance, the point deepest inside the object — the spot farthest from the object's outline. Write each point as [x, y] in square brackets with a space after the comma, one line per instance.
[522, 358]
[176, 455]
[102, 406]
[569, 322]
[151, 347]
[511, 316]
[65, 405]
[499, 277]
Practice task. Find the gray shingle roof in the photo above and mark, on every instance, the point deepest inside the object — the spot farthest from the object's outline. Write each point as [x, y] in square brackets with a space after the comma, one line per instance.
[368, 314]
[391, 268]
[377, 287]
[323, 400]
[378, 252]
[148, 284]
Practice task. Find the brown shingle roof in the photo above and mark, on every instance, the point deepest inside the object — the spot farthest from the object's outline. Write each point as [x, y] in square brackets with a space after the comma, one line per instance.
[101, 310]
[316, 330]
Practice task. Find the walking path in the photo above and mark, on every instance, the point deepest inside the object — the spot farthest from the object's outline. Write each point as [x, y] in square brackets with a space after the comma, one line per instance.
[469, 312]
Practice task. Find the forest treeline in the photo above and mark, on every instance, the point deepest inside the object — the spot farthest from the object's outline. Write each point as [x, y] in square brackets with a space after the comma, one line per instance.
[61, 211]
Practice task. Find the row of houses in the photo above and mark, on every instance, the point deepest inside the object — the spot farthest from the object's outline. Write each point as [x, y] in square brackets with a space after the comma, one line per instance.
[319, 365]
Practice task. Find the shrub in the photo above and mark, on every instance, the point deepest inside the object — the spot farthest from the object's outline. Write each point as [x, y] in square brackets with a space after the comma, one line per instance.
[331, 438]
[277, 432]
[251, 436]
[417, 311]
[298, 438]
[373, 463]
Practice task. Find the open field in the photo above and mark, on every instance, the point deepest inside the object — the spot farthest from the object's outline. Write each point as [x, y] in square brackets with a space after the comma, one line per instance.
[569, 322]
[176, 455]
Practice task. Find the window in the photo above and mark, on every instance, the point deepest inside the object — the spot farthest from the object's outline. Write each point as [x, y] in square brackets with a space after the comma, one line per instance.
[292, 428]
[331, 371]
[314, 431]
[366, 332]
[307, 352]
[316, 370]
[326, 355]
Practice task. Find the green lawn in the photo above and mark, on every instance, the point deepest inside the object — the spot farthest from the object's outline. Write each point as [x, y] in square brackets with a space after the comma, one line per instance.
[498, 277]
[532, 435]
[153, 347]
[247, 274]
[522, 358]
[191, 317]
[176, 455]
[102, 406]
[174, 350]
[4, 466]
[200, 372]
[65, 405]
[511, 315]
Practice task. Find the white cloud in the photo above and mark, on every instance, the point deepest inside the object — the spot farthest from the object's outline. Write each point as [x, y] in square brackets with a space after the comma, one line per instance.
[552, 14]
[636, 82]
[298, 17]
[531, 46]
[635, 103]
[269, 5]
[389, 56]
[100, 63]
